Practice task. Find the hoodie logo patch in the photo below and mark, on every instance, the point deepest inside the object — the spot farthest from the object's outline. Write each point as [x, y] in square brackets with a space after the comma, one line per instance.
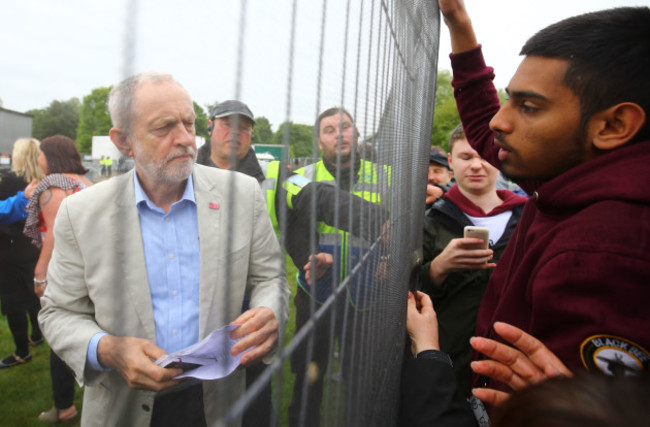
[614, 355]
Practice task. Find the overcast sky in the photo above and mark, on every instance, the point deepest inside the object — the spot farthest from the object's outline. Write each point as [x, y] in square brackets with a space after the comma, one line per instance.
[65, 48]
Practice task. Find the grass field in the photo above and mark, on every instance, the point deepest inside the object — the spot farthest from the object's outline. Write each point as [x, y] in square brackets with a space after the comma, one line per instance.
[26, 390]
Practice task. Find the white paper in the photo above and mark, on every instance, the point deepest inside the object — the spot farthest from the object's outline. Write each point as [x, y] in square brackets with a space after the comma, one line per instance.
[213, 353]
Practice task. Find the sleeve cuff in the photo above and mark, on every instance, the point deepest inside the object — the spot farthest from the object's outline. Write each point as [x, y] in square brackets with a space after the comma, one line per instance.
[91, 358]
[469, 66]
[438, 355]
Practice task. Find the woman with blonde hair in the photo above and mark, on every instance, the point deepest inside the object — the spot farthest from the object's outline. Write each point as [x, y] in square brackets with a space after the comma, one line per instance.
[18, 259]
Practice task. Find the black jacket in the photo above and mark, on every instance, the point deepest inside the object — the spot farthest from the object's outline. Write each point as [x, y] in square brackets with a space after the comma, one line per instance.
[457, 299]
[429, 396]
[248, 165]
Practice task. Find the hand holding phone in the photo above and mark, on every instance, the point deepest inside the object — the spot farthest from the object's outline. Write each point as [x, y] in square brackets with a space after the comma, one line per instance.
[482, 233]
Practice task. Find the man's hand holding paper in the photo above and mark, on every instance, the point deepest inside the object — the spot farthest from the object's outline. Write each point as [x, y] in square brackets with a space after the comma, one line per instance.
[212, 355]
[257, 335]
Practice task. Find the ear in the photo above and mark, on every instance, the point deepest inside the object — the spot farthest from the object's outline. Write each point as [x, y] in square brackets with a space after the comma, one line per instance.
[119, 138]
[616, 126]
[451, 167]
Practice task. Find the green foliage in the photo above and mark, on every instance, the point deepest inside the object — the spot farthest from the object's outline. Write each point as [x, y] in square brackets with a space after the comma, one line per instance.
[210, 107]
[262, 133]
[445, 116]
[503, 96]
[201, 122]
[59, 118]
[94, 118]
[301, 139]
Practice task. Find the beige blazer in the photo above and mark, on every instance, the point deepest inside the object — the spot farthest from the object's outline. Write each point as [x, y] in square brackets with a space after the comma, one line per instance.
[98, 282]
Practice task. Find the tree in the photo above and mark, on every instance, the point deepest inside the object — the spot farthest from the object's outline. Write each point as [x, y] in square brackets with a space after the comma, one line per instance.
[503, 96]
[210, 107]
[59, 118]
[301, 139]
[94, 118]
[445, 115]
[201, 122]
[263, 134]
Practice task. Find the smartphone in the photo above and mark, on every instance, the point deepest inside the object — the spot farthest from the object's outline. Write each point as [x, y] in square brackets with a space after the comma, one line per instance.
[185, 366]
[480, 233]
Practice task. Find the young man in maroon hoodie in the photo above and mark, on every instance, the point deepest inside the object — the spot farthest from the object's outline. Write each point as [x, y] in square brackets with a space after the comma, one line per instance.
[574, 134]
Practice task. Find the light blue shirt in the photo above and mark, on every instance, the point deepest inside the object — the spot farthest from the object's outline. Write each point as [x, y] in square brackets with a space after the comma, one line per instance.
[172, 258]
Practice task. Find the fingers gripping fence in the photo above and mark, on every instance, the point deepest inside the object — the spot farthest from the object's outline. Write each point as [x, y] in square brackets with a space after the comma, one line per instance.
[341, 350]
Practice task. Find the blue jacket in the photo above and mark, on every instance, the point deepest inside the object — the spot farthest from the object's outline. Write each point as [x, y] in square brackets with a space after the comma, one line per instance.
[13, 208]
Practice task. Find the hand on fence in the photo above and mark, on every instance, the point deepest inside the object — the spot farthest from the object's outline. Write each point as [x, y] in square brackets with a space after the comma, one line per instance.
[421, 323]
[323, 262]
[433, 193]
[459, 24]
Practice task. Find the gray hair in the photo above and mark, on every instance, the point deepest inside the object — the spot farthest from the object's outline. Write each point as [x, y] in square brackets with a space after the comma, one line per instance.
[120, 100]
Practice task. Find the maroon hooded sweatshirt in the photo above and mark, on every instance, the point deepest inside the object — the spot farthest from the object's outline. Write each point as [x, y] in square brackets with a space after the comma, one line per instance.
[576, 273]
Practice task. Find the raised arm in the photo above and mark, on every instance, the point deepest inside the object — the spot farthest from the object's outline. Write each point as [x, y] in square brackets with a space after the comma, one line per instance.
[429, 393]
[477, 99]
[460, 27]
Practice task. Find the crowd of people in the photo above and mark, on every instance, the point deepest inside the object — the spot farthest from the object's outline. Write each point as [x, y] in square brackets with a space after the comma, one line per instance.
[568, 291]
[541, 324]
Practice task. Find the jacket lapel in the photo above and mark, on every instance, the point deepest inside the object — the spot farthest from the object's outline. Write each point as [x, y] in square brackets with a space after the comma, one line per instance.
[128, 236]
[209, 212]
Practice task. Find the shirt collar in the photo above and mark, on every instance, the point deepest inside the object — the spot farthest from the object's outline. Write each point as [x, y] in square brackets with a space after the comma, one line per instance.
[141, 196]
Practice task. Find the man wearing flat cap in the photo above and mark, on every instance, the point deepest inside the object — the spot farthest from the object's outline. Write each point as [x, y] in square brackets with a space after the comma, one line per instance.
[439, 175]
[231, 131]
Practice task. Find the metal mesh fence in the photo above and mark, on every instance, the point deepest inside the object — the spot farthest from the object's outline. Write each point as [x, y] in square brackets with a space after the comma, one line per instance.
[340, 365]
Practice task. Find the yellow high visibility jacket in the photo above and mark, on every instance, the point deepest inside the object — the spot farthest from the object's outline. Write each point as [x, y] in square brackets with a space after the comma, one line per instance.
[346, 249]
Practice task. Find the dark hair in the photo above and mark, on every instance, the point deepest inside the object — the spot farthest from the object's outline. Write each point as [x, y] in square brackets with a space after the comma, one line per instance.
[62, 155]
[588, 399]
[609, 59]
[457, 134]
[331, 112]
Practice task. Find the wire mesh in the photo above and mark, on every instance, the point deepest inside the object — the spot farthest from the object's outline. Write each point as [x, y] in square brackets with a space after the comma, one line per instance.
[376, 58]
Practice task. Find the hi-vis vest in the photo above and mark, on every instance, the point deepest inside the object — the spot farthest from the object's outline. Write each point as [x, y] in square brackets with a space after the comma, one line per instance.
[346, 249]
[269, 188]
